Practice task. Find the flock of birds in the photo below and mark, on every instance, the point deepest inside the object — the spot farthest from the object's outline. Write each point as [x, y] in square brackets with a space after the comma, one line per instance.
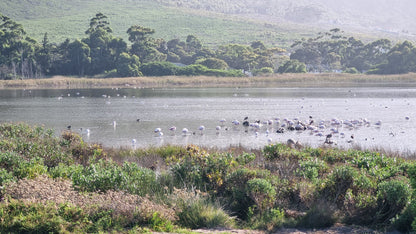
[329, 130]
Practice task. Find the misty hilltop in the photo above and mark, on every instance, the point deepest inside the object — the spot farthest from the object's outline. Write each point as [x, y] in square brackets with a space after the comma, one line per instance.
[385, 16]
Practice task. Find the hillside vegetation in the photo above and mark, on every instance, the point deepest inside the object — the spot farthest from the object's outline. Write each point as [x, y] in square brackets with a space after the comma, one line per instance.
[68, 19]
[387, 17]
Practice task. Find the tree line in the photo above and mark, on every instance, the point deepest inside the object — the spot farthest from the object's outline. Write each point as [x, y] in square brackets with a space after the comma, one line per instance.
[100, 53]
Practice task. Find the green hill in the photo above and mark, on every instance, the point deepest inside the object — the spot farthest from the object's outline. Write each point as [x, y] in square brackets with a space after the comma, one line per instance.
[69, 19]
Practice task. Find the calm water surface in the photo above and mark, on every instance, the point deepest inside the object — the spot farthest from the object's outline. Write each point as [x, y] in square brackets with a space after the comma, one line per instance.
[98, 110]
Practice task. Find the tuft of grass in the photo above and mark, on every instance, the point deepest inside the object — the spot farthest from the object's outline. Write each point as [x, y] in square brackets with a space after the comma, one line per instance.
[194, 210]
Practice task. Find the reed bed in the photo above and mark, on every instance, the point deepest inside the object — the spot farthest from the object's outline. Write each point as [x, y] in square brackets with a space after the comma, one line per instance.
[276, 80]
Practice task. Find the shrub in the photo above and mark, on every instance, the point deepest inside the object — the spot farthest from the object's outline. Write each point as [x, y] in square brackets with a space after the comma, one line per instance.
[262, 193]
[32, 142]
[269, 220]
[262, 71]
[235, 193]
[337, 184]
[292, 66]
[407, 220]
[18, 217]
[311, 168]
[392, 197]
[158, 224]
[213, 63]
[158, 69]
[107, 175]
[279, 151]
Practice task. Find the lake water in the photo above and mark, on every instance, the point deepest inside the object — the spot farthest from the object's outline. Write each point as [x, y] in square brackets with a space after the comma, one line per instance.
[111, 115]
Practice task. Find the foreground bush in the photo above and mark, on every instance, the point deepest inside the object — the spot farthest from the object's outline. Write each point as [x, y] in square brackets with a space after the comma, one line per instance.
[62, 184]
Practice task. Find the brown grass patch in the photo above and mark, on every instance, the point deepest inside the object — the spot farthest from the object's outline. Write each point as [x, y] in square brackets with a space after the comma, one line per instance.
[275, 80]
[45, 190]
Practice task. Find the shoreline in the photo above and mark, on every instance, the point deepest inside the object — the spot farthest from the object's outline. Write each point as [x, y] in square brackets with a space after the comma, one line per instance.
[276, 80]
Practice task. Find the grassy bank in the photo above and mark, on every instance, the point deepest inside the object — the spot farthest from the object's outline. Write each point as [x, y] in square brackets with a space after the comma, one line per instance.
[61, 184]
[284, 80]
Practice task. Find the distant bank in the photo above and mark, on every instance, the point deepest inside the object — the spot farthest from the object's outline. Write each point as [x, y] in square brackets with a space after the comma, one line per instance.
[284, 80]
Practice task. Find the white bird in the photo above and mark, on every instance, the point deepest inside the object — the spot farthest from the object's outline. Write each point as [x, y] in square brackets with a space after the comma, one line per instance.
[133, 142]
[201, 128]
[157, 130]
[185, 131]
[222, 122]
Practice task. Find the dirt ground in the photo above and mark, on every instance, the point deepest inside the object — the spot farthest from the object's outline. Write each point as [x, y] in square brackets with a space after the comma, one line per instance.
[337, 229]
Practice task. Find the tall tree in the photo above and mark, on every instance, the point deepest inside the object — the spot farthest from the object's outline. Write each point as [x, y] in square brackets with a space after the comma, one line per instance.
[237, 56]
[144, 46]
[78, 57]
[16, 50]
[99, 22]
[105, 49]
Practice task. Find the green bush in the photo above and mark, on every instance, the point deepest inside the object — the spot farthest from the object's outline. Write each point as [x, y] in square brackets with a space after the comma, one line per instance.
[158, 69]
[269, 220]
[311, 168]
[406, 222]
[281, 152]
[107, 175]
[159, 224]
[18, 217]
[33, 142]
[337, 184]
[262, 192]
[392, 198]
[262, 71]
[20, 167]
[212, 63]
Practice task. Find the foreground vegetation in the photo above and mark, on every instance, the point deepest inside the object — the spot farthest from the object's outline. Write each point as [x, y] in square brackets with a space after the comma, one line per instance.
[62, 184]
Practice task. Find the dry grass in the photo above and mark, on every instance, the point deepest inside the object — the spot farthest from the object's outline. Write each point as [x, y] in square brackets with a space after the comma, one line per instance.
[45, 190]
[276, 80]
